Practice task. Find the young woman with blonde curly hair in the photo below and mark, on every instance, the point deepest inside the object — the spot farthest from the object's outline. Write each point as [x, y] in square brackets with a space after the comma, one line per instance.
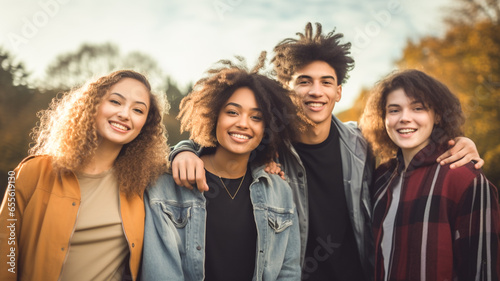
[78, 211]
[245, 226]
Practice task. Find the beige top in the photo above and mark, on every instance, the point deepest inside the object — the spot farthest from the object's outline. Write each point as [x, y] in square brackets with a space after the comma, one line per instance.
[98, 247]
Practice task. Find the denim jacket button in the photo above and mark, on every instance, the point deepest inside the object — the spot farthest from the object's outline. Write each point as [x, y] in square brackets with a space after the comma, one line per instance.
[198, 248]
[300, 174]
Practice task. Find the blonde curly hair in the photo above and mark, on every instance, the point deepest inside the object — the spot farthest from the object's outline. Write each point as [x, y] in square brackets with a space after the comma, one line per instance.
[67, 132]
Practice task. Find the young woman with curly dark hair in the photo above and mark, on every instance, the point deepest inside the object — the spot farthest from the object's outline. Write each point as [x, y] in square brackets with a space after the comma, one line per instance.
[79, 211]
[245, 226]
[430, 222]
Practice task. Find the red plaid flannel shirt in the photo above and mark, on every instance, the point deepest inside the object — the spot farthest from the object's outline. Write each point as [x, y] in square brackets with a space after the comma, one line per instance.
[454, 234]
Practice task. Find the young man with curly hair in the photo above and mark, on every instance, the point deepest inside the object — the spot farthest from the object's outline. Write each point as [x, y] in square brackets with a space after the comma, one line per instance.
[329, 166]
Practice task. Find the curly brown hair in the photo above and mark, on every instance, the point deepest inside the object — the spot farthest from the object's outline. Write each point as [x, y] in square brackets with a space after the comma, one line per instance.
[283, 119]
[292, 54]
[67, 133]
[420, 87]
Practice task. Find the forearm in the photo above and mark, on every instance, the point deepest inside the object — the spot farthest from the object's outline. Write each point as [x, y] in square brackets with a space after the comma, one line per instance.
[185, 145]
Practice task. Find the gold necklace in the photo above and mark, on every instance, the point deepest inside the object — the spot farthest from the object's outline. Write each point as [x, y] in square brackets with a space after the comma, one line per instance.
[227, 190]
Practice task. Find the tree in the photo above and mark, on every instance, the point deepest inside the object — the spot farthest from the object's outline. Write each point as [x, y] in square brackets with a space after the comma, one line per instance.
[467, 59]
[355, 112]
[91, 60]
[174, 96]
[18, 106]
[14, 81]
[473, 11]
[14, 94]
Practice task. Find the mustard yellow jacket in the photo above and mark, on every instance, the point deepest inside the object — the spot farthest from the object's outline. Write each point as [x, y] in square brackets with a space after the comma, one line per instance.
[38, 217]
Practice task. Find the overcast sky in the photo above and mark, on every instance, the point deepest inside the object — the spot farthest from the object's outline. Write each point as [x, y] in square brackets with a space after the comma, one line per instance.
[187, 37]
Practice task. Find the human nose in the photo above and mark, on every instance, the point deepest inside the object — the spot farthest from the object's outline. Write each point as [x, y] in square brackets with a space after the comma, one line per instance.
[242, 122]
[123, 113]
[405, 116]
[315, 89]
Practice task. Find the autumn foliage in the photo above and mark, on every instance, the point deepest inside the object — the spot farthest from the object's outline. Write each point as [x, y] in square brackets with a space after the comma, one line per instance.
[467, 59]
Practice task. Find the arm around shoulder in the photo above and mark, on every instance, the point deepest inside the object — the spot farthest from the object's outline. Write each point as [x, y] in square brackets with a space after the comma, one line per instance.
[185, 145]
[188, 169]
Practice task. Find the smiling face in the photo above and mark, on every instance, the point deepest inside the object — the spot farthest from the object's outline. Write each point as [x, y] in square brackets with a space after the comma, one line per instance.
[240, 127]
[123, 112]
[317, 85]
[408, 122]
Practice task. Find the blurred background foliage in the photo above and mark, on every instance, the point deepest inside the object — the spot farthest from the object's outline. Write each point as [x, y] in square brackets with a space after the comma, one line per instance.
[466, 58]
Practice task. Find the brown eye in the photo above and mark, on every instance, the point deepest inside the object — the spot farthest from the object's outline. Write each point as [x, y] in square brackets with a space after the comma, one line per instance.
[256, 118]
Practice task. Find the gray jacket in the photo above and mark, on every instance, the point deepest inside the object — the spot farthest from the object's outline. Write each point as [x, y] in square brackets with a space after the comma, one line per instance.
[357, 167]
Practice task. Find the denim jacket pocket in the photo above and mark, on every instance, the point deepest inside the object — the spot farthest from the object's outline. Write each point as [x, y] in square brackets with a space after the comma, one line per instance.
[179, 215]
[279, 220]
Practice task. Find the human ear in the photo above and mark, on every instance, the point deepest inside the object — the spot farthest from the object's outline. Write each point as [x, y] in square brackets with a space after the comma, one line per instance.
[339, 93]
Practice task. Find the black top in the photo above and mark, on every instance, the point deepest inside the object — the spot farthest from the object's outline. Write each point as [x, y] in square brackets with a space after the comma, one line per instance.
[231, 234]
[331, 252]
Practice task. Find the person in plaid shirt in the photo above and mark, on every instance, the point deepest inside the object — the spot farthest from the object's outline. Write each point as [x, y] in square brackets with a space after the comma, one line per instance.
[430, 222]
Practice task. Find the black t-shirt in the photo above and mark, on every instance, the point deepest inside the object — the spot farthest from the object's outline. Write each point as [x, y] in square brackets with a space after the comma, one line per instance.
[231, 233]
[331, 252]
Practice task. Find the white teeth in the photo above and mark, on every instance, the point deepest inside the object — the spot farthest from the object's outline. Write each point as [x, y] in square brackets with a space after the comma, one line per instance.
[407, 131]
[240, 136]
[119, 126]
[315, 104]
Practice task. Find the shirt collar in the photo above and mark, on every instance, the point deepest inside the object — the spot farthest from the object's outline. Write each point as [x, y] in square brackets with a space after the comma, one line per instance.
[425, 157]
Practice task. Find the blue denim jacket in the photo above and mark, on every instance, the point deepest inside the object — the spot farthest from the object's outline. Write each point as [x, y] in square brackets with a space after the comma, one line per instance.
[357, 169]
[174, 238]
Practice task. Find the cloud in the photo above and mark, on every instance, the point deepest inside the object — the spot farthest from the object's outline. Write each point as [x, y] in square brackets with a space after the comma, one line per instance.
[188, 37]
